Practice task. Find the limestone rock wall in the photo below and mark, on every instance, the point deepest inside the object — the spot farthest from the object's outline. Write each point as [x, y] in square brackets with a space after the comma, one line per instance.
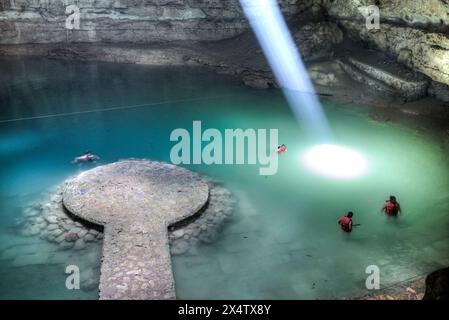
[416, 32]
[414, 13]
[136, 21]
[420, 50]
[317, 40]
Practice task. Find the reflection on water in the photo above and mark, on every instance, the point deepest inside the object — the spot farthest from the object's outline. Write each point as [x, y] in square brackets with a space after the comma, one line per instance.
[282, 240]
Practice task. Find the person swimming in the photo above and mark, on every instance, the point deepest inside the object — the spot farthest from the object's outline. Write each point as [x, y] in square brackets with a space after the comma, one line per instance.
[86, 157]
[281, 149]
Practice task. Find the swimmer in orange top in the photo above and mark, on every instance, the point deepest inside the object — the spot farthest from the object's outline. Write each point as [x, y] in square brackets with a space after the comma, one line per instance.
[281, 149]
[345, 222]
[392, 207]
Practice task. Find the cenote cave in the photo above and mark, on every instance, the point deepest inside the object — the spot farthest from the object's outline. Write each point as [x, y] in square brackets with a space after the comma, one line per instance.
[182, 150]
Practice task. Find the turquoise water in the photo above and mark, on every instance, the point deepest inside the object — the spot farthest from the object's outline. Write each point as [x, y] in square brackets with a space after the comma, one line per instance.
[282, 241]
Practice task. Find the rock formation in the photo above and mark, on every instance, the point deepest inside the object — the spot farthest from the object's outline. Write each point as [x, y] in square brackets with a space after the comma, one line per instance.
[215, 33]
[43, 21]
[415, 32]
[437, 285]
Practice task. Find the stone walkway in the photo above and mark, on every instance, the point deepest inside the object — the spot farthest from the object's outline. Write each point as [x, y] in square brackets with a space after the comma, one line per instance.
[136, 201]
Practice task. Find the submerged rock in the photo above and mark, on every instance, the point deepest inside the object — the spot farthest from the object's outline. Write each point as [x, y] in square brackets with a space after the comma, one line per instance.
[31, 212]
[52, 226]
[60, 238]
[75, 230]
[79, 244]
[51, 219]
[40, 220]
[81, 233]
[71, 237]
[89, 238]
[64, 245]
[178, 233]
[56, 232]
[93, 232]
[30, 231]
[42, 225]
[179, 247]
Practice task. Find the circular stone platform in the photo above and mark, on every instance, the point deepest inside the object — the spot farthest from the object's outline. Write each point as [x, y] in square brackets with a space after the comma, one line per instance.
[136, 201]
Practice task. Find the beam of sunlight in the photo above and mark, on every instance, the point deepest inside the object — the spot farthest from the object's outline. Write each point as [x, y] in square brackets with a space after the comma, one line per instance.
[272, 33]
[274, 37]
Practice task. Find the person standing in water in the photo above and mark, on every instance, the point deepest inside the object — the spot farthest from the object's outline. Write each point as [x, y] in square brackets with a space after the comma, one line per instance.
[345, 222]
[392, 207]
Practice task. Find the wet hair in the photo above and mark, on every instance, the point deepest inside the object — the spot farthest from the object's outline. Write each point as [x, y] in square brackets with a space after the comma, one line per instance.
[392, 198]
[350, 214]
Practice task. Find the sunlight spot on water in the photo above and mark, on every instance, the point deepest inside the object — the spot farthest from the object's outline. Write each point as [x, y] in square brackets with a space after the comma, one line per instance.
[334, 161]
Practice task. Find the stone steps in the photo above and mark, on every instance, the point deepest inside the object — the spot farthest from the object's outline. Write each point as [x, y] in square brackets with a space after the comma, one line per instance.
[384, 75]
[364, 78]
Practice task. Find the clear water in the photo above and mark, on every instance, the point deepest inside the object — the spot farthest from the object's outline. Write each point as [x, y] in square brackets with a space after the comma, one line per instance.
[282, 241]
